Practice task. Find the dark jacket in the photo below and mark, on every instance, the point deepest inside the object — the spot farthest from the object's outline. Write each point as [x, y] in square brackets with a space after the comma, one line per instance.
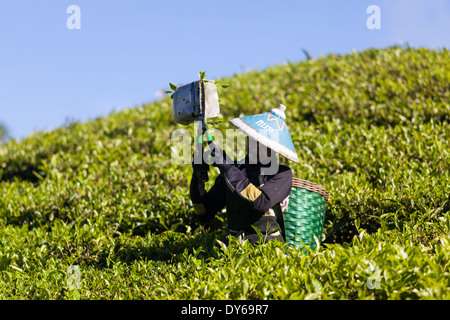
[251, 199]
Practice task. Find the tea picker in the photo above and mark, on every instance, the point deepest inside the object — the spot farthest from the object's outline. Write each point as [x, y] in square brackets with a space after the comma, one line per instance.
[256, 201]
[302, 212]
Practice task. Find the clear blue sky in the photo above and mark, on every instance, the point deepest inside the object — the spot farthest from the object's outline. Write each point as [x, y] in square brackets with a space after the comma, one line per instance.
[127, 51]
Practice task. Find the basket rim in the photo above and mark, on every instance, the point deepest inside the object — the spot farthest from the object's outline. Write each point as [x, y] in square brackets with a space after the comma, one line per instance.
[310, 186]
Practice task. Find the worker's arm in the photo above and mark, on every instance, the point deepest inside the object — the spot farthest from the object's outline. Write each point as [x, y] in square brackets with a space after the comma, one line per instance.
[261, 198]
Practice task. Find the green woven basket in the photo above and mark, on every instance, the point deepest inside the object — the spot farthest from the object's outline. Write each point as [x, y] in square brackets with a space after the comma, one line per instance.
[304, 217]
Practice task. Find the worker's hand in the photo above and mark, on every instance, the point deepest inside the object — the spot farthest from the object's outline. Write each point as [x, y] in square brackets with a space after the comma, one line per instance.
[219, 157]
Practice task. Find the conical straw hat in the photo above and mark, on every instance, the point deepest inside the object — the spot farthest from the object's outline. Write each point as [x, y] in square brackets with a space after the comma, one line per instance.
[269, 129]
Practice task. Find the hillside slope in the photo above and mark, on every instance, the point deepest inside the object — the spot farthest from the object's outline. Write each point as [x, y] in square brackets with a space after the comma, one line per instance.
[371, 127]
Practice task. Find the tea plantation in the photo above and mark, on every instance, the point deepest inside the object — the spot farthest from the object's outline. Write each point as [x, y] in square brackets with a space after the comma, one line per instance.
[98, 210]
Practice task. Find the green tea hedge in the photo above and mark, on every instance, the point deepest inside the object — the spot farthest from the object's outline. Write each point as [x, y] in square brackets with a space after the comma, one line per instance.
[371, 127]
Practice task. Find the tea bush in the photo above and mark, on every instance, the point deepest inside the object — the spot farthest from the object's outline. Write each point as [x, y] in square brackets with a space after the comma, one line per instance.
[371, 127]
